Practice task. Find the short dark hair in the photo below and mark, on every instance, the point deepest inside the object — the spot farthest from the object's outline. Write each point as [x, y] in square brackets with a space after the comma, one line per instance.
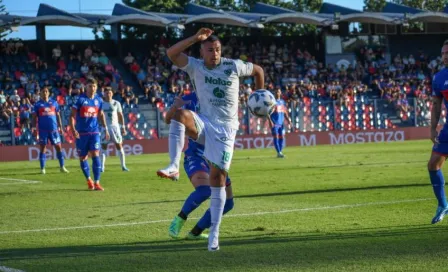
[445, 42]
[211, 38]
[91, 81]
[108, 89]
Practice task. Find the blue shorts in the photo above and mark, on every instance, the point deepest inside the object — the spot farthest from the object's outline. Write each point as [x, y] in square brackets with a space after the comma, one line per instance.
[278, 130]
[194, 164]
[52, 136]
[88, 142]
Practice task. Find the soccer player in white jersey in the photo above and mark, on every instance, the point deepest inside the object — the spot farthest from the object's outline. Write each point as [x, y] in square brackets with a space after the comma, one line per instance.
[115, 120]
[216, 81]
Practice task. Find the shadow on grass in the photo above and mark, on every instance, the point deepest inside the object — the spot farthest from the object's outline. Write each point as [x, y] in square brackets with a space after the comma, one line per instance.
[399, 235]
[275, 194]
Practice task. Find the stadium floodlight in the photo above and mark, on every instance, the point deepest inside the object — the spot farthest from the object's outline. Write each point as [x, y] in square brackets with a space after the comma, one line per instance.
[176, 25]
[263, 19]
[15, 23]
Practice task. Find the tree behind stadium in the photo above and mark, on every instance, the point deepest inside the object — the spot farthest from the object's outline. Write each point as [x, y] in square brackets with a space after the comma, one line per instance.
[177, 6]
[3, 31]
[430, 5]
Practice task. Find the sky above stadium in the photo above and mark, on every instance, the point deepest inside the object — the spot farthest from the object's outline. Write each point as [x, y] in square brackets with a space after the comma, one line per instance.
[30, 7]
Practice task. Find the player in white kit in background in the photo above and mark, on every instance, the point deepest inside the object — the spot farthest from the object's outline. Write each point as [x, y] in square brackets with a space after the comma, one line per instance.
[115, 121]
[216, 81]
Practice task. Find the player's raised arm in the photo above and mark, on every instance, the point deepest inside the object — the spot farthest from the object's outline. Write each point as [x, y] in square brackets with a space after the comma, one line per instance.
[175, 52]
[258, 74]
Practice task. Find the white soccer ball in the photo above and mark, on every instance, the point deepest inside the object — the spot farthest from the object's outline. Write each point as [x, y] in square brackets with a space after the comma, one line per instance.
[261, 103]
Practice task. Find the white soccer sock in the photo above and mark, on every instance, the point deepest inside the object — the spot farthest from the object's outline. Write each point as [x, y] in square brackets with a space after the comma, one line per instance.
[176, 142]
[217, 201]
[122, 158]
[103, 159]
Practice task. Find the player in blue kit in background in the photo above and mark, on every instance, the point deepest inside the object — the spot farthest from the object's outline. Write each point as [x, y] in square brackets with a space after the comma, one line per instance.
[86, 112]
[276, 120]
[47, 120]
[198, 171]
[440, 140]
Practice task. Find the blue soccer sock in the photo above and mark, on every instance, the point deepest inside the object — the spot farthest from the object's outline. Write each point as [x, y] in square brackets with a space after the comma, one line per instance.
[42, 159]
[280, 144]
[85, 168]
[96, 167]
[206, 219]
[60, 156]
[438, 185]
[199, 195]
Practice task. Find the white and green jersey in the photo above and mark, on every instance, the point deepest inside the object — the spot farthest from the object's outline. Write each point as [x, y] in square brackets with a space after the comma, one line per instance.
[111, 110]
[217, 89]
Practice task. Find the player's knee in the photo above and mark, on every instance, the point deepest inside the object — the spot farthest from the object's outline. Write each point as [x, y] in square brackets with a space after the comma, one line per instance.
[181, 116]
[228, 206]
[433, 165]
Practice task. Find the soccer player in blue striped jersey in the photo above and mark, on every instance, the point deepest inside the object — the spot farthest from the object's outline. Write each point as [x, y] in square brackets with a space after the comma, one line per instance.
[440, 140]
[47, 120]
[197, 170]
[86, 113]
[276, 120]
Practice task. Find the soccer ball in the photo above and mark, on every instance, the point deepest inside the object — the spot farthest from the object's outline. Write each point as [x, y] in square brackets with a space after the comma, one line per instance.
[261, 103]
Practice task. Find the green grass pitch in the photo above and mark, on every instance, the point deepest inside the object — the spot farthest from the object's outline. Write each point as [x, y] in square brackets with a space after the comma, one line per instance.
[326, 208]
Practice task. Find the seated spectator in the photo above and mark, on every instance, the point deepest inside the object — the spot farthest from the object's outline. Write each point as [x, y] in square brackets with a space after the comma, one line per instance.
[103, 59]
[129, 59]
[135, 68]
[25, 112]
[56, 53]
[15, 97]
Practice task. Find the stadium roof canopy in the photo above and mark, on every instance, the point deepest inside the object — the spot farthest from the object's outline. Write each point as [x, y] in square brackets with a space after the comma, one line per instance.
[260, 14]
[203, 14]
[283, 15]
[127, 15]
[351, 15]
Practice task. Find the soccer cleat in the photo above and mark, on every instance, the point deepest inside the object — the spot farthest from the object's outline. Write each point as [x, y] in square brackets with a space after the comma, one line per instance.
[213, 243]
[64, 170]
[169, 173]
[42, 171]
[440, 213]
[125, 169]
[98, 187]
[175, 226]
[202, 236]
[90, 184]
[280, 155]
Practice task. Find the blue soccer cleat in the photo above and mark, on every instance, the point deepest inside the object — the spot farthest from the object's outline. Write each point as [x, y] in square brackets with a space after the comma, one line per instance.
[125, 169]
[440, 213]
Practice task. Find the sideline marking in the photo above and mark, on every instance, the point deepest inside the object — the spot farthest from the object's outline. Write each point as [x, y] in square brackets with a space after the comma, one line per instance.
[19, 181]
[230, 215]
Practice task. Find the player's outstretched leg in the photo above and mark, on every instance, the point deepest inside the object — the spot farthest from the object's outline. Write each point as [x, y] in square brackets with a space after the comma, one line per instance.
[205, 222]
[182, 123]
[438, 184]
[200, 181]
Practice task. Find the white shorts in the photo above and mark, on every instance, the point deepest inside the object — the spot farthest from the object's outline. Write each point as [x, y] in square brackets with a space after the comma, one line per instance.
[115, 135]
[218, 142]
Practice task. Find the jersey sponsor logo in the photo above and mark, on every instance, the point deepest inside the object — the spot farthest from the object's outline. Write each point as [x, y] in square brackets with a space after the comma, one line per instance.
[96, 102]
[228, 63]
[228, 72]
[88, 112]
[47, 111]
[219, 93]
[218, 81]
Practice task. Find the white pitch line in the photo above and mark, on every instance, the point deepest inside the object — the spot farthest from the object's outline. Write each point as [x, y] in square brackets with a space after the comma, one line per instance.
[8, 269]
[230, 215]
[19, 181]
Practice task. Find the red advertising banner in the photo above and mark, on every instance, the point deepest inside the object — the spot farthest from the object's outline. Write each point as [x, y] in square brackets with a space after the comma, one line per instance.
[138, 147]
